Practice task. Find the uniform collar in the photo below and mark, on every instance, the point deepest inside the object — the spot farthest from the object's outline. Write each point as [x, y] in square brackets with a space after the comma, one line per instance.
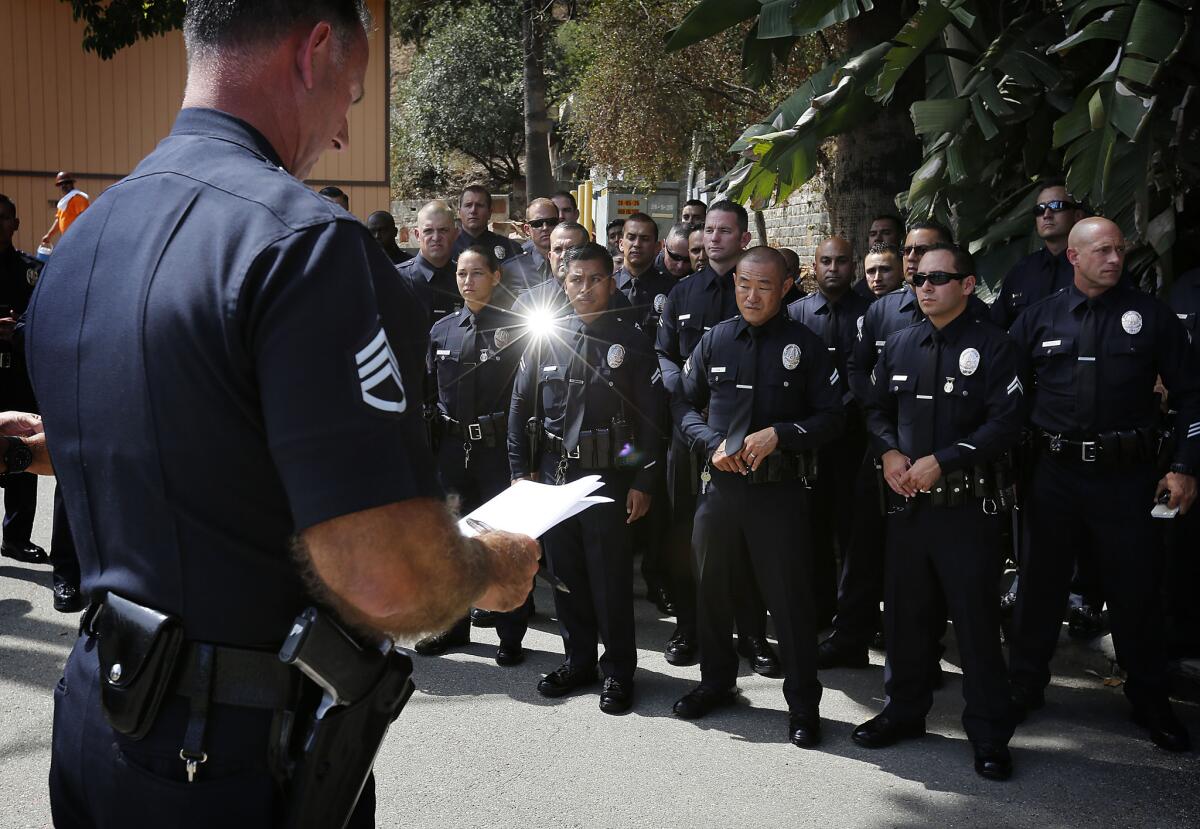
[771, 326]
[216, 124]
[908, 297]
[427, 267]
[821, 303]
[952, 332]
[624, 277]
[1076, 297]
[710, 277]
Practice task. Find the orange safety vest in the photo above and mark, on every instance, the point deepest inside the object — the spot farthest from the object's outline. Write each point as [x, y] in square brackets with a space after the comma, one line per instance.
[69, 207]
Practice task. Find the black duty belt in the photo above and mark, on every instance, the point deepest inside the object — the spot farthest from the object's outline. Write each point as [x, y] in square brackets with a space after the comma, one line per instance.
[990, 485]
[599, 448]
[784, 467]
[482, 428]
[1106, 448]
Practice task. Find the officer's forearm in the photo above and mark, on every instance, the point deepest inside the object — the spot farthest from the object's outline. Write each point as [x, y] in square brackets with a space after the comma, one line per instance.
[402, 568]
[811, 432]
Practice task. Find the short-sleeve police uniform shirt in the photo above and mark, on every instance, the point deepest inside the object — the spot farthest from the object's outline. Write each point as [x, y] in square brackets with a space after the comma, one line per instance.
[223, 359]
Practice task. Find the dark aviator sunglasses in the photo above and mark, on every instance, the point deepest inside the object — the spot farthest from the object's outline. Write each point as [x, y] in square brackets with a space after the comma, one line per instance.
[936, 277]
[1057, 206]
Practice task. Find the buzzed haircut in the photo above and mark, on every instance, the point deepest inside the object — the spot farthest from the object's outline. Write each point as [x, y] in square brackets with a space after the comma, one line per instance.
[890, 217]
[612, 224]
[727, 206]
[765, 255]
[1051, 181]
[793, 259]
[383, 214]
[964, 262]
[436, 207]
[477, 189]
[487, 252]
[332, 192]
[682, 229]
[567, 195]
[885, 247]
[5, 201]
[573, 227]
[938, 227]
[644, 219]
[210, 25]
[588, 252]
[540, 202]
[693, 203]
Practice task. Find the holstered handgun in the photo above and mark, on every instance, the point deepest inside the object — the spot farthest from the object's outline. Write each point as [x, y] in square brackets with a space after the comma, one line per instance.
[365, 688]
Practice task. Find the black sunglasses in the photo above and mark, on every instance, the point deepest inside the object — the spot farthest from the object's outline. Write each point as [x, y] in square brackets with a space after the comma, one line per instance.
[936, 277]
[676, 257]
[1056, 206]
[919, 250]
[543, 222]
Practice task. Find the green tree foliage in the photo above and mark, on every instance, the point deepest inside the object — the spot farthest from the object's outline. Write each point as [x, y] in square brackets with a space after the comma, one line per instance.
[1102, 92]
[110, 25]
[462, 103]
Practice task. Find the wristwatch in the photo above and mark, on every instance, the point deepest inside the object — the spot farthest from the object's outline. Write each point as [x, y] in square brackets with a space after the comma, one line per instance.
[1182, 469]
[17, 456]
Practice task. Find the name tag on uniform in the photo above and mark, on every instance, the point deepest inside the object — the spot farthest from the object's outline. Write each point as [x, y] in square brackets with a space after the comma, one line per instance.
[880, 343]
[899, 378]
[683, 317]
[550, 368]
[718, 369]
[1051, 343]
[443, 352]
[743, 386]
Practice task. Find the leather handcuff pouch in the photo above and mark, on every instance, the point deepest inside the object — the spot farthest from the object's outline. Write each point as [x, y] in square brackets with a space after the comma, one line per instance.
[138, 649]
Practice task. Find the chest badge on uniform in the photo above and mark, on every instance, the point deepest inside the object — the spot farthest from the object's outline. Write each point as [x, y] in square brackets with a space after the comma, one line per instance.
[31, 276]
[502, 338]
[616, 355]
[1131, 321]
[660, 302]
[499, 251]
[791, 356]
[859, 323]
[484, 355]
[968, 362]
[949, 387]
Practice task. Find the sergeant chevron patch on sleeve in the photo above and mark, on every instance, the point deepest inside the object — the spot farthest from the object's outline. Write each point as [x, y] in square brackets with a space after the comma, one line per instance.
[379, 376]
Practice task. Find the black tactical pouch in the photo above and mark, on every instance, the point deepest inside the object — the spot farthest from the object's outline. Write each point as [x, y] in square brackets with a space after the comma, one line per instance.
[603, 448]
[138, 649]
[487, 429]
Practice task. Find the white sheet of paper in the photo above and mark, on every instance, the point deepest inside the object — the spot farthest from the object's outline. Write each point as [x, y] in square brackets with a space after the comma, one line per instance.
[530, 508]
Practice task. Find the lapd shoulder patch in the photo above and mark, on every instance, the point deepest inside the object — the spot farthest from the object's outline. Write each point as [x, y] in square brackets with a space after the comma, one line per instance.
[616, 355]
[379, 376]
[791, 356]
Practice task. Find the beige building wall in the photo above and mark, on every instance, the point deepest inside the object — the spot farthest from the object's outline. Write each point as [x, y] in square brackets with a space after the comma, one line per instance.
[65, 109]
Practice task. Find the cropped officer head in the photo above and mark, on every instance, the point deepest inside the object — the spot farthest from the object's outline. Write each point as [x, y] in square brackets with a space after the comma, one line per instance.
[336, 195]
[947, 277]
[1096, 249]
[887, 229]
[639, 242]
[9, 223]
[612, 232]
[588, 283]
[834, 266]
[568, 210]
[382, 226]
[696, 248]
[921, 237]
[884, 268]
[1055, 213]
[760, 283]
[297, 66]
[565, 236]
[726, 234]
[540, 218]
[793, 262]
[475, 209]
[675, 251]
[478, 274]
[436, 232]
[693, 212]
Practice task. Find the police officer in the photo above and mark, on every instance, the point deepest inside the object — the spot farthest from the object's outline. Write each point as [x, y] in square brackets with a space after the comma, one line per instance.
[474, 214]
[832, 313]
[568, 209]
[694, 306]
[266, 468]
[1097, 348]
[431, 271]
[796, 292]
[693, 212]
[771, 392]
[677, 262]
[473, 356]
[612, 232]
[883, 268]
[382, 225]
[18, 274]
[885, 229]
[593, 394]
[947, 404]
[522, 272]
[541, 304]
[1047, 270]
[696, 249]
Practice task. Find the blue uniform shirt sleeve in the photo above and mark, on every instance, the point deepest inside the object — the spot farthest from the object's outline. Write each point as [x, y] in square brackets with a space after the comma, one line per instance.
[1001, 428]
[691, 398]
[666, 344]
[882, 410]
[519, 412]
[827, 415]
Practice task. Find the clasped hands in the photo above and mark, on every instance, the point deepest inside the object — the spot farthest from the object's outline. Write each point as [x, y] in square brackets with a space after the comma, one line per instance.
[907, 477]
[755, 449]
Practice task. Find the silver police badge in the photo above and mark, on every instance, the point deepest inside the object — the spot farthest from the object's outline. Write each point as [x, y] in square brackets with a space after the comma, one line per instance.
[502, 338]
[860, 322]
[616, 355]
[1131, 321]
[31, 276]
[499, 251]
[660, 302]
[484, 355]
[791, 356]
[968, 361]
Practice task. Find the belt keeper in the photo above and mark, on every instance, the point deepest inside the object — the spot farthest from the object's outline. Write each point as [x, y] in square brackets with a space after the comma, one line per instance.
[192, 753]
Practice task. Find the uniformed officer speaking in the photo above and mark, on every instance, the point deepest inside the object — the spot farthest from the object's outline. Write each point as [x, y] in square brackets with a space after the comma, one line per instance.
[262, 468]
[591, 395]
[771, 392]
[1097, 349]
[947, 407]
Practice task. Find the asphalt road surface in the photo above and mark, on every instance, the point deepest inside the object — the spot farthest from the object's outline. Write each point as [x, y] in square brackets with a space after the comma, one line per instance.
[477, 746]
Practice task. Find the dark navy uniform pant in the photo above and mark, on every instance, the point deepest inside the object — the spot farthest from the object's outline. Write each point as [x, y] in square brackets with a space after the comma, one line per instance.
[593, 556]
[20, 503]
[651, 538]
[860, 588]
[945, 557]
[1183, 582]
[100, 778]
[750, 613]
[737, 521]
[1075, 505]
[834, 510]
[63, 557]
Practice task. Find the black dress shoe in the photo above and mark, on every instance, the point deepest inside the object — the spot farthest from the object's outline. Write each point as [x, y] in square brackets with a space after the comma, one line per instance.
[483, 618]
[1025, 700]
[439, 643]
[616, 697]
[1165, 729]
[701, 701]
[804, 730]
[1085, 622]
[680, 650]
[67, 598]
[508, 655]
[882, 731]
[563, 680]
[830, 654]
[992, 761]
[759, 654]
[27, 552]
[664, 603]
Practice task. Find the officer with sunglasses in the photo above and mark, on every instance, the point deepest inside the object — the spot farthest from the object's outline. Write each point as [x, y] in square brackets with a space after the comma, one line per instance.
[947, 405]
[520, 273]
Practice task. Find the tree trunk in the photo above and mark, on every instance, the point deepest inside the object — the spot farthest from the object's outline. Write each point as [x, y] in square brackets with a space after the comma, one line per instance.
[538, 179]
